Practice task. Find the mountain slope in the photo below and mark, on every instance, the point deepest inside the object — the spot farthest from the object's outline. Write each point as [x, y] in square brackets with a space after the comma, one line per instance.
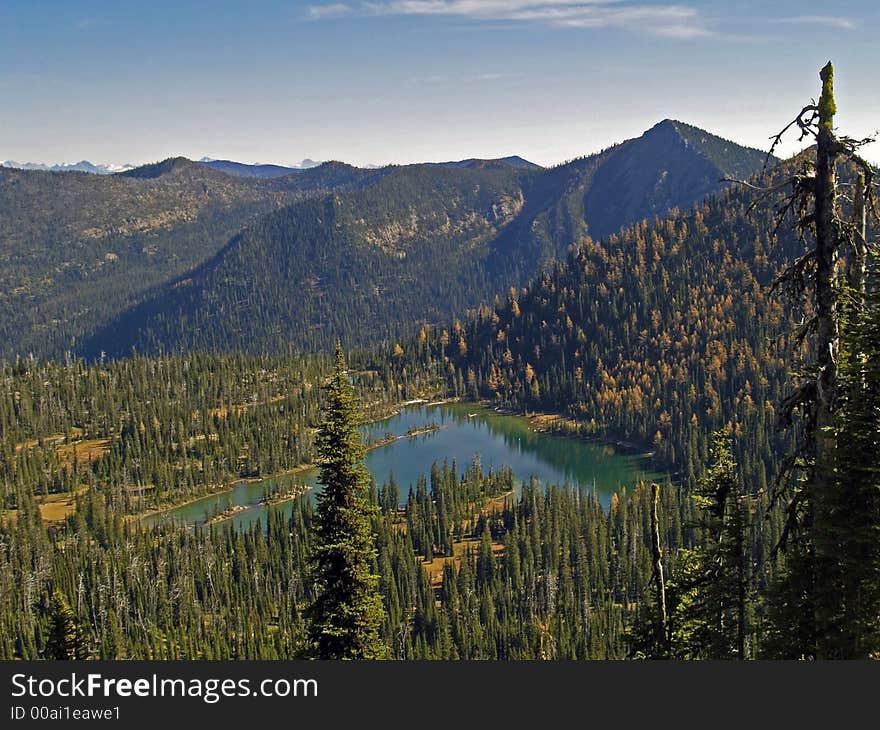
[423, 243]
[77, 250]
[660, 334]
[369, 264]
[241, 169]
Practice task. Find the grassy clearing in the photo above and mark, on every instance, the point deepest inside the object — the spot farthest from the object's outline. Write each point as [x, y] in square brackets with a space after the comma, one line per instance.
[54, 508]
[57, 507]
[83, 451]
[434, 568]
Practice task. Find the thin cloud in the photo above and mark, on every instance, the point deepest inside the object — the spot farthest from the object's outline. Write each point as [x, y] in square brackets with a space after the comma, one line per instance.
[672, 21]
[831, 21]
[491, 77]
[334, 10]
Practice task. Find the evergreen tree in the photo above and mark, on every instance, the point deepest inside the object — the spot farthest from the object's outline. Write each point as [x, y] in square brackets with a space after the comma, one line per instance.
[347, 613]
[817, 512]
[853, 630]
[65, 641]
[712, 613]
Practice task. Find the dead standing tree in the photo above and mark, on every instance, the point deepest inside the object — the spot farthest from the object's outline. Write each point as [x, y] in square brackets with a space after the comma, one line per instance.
[662, 626]
[816, 281]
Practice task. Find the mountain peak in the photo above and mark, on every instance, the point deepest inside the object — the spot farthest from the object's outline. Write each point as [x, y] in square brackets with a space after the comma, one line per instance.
[674, 128]
[171, 165]
[672, 165]
[731, 158]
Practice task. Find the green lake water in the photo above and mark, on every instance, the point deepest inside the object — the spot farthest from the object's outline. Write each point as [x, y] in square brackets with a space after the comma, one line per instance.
[465, 430]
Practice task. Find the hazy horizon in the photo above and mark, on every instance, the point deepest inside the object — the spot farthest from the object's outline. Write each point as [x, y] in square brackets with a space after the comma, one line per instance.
[409, 81]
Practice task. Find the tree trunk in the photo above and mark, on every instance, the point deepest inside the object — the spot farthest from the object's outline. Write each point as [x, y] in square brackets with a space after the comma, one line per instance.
[659, 582]
[855, 264]
[741, 587]
[822, 482]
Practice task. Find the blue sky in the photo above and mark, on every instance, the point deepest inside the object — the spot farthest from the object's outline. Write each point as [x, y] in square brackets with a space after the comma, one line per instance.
[409, 80]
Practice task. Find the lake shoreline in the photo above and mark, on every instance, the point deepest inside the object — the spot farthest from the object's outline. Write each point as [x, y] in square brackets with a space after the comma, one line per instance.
[540, 420]
[219, 492]
[300, 468]
[543, 422]
[606, 463]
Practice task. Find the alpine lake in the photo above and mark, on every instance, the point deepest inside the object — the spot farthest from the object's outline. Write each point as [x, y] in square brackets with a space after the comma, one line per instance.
[421, 434]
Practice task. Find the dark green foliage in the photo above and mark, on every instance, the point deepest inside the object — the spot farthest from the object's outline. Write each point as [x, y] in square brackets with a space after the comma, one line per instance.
[77, 250]
[789, 630]
[347, 612]
[712, 594]
[854, 630]
[65, 640]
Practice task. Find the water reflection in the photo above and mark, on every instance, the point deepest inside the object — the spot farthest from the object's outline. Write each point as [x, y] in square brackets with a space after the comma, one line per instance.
[464, 431]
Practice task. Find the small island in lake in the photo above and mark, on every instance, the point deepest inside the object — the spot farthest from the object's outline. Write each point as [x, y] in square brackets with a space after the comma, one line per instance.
[288, 493]
[422, 430]
[226, 514]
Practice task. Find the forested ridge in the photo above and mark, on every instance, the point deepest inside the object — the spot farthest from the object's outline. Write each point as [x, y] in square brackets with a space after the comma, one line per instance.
[661, 334]
[78, 249]
[367, 265]
[421, 244]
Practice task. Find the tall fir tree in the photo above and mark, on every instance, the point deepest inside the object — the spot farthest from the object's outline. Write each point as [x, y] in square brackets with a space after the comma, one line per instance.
[805, 601]
[347, 614]
[712, 613]
[853, 631]
[65, 640]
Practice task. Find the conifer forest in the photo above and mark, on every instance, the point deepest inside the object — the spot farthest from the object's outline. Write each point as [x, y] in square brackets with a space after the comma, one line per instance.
[178, 329]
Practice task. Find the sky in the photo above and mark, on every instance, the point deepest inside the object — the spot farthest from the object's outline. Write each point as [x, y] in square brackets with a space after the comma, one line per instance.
[399, 81]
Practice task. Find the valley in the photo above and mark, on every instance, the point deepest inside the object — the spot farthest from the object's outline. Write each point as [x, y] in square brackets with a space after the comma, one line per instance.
[565, 412]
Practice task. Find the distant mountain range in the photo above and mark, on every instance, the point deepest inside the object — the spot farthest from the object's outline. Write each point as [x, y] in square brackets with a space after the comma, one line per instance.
[81, 166]
[238, 169]
[181, 254]
[241, 169]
